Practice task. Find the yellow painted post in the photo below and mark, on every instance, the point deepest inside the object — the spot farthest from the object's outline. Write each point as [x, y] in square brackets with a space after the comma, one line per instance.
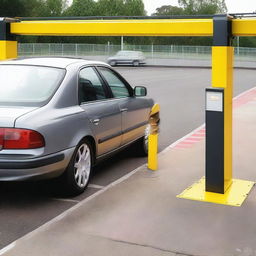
[152, 152]
[153, 138]
[8, 43]
[222, 77]
[8, 49]
[219, 121]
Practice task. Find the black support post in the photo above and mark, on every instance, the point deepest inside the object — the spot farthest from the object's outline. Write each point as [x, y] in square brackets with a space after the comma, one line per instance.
[214, 140]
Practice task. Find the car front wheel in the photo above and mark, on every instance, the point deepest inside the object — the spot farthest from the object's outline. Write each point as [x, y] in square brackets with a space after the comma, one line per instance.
[78, 172]
[112, 63]
[141, 146]
[136, 63]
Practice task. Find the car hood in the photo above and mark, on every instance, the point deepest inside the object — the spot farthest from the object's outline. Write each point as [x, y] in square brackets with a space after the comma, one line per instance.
[8, 115]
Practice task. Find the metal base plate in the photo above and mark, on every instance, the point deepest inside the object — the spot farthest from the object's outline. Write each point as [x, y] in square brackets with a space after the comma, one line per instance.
[234, 196]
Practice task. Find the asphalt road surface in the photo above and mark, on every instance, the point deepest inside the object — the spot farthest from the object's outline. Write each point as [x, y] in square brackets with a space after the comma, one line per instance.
[180, 92]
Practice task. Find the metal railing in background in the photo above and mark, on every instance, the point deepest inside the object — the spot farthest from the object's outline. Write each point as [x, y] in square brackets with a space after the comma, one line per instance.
[158, 51]
[155, 54]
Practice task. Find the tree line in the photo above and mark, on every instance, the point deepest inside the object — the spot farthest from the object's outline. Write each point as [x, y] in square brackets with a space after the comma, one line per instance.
[61, 8]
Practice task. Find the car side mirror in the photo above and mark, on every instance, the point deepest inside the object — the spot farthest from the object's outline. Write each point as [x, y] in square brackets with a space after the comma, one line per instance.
[140, 91]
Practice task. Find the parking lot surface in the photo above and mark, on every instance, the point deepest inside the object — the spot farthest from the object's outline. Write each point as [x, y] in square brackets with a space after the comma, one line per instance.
[180, 92]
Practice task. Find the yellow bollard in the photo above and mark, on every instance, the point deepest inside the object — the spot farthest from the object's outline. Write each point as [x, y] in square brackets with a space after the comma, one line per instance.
[152, 152]
[153, 138]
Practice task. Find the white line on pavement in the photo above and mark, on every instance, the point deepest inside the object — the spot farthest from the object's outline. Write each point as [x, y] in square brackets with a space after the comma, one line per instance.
[95, 186]
[7, 248]
[65, 200]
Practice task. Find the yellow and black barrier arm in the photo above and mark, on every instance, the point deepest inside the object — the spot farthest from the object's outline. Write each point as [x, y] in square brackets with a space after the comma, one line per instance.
[153, 137]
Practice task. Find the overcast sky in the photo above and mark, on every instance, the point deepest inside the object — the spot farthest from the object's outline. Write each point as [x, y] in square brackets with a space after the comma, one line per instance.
[234, 6]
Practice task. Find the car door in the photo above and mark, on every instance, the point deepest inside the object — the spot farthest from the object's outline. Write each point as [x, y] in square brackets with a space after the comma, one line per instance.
[104, 114]
[134, 110]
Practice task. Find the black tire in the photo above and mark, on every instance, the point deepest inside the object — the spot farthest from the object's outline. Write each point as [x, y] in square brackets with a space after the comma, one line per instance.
[112, 63]
[70, 182]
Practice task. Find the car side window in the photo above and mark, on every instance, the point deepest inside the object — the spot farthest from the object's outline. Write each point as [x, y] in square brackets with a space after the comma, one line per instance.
[116, 85]
[90, 88]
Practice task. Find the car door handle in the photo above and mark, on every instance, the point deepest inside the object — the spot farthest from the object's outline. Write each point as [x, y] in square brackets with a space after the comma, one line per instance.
[124, 109]
[95, 121]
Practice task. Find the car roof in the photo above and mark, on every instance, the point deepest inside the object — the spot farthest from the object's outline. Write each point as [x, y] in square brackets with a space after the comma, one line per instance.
[57, 62]
[130, 51]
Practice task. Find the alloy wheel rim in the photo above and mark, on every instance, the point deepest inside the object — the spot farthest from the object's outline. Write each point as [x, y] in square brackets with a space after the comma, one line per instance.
[146, 136]
[82, 165]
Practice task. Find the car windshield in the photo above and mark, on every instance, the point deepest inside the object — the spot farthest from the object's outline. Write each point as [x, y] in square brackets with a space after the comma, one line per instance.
[22, 85]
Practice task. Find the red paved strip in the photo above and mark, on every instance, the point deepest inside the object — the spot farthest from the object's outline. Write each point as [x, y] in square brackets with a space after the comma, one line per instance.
[200, 134]
[193, 139]
[182, 146]
[186, 143]
[244, 98]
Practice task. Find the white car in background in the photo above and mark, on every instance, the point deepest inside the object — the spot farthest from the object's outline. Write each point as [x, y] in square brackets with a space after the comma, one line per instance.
[134, 58]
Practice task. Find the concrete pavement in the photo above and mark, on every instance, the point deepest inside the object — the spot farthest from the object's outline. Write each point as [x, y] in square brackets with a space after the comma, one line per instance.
[141, 215]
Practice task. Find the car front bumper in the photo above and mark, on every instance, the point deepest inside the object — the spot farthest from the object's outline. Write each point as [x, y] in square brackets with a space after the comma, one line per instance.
[45, 167]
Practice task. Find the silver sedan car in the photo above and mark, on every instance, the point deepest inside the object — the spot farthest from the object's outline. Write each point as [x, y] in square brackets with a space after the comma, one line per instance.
[134, 58]
[59, 116]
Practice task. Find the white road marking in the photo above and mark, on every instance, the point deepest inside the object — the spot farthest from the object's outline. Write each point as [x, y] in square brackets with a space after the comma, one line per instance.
[7, 248]
[65, 200]
[74, 200]
[95, 186]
